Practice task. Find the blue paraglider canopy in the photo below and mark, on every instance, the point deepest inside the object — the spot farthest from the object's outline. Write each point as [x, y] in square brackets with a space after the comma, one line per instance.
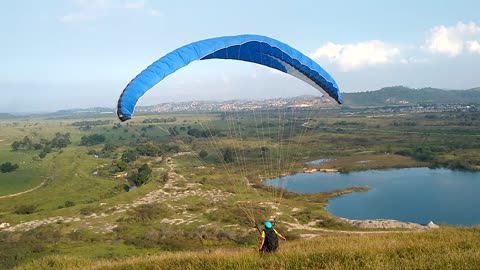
[250, 48]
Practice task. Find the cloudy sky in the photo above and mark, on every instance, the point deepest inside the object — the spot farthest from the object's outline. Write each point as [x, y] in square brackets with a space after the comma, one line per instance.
[60, 54]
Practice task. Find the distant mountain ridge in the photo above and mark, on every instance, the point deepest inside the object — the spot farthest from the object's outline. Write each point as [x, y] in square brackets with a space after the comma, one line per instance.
[6, 116]
[388, 96]
[81, 111]
[400, 95]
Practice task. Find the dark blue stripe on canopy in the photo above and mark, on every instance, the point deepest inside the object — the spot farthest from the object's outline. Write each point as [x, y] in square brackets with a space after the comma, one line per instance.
[251, 48]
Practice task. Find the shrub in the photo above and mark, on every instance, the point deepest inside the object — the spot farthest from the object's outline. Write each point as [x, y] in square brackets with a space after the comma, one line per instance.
[69, 204]
[88, 210]
[8, 167]
[203, 154]
[25, 209]
[92, 139]
[142, 176]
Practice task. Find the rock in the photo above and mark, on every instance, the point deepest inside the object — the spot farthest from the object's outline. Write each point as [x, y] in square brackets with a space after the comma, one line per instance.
[387, 224]
[432, 225]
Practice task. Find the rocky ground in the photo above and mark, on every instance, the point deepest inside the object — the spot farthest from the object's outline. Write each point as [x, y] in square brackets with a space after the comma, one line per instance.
[389, 224]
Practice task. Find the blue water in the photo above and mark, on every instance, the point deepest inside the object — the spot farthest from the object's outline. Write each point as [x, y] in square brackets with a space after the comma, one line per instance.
[415, 194]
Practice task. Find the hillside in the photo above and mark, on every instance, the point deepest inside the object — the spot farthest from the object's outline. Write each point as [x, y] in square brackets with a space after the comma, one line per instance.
[194, 197]
[446, 248]
[399, 95]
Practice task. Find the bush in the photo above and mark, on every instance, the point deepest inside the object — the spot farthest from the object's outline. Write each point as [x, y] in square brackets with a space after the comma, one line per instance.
[228, 155]
[146, 212]
[8, 167]
[129, 156]
[69, 204]
[88, 210]
[92, 139]
[42, 154]
[203, 154]
[119, 166]
[142, 176]
[25, 209]
[18, 248]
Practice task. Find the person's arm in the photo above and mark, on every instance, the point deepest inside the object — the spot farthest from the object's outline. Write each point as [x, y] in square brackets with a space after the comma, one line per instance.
[262, 240]
[280, 235]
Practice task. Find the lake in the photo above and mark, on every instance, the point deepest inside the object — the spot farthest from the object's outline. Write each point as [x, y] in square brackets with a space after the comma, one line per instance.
[416, 195]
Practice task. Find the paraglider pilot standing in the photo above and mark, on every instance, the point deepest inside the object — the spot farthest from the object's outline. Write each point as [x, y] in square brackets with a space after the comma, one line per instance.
[269, 239]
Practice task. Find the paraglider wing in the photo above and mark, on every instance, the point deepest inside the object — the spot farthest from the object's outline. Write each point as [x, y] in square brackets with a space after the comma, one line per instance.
[250, 48]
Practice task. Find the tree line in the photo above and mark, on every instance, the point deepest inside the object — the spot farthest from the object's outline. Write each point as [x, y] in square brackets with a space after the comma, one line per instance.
[61, 140]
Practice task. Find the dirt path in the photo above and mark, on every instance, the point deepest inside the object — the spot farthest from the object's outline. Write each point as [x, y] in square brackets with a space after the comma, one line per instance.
[170, 193]
[44, 182]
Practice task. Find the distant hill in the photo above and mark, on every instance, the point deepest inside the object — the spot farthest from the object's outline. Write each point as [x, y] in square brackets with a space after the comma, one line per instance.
[388, 96]
[399, 95]
[81, 112]
[6, 116]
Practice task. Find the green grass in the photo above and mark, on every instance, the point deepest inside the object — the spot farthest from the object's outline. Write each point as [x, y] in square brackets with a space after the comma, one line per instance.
[31, 171]
[72, 180]
[447, 248]
[211, 242]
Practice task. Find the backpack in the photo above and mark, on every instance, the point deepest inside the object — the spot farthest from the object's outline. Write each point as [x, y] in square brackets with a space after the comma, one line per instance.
[271, 240]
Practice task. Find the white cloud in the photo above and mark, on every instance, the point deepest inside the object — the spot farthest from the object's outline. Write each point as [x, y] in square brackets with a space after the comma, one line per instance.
[154, 12]
[74, 17]
[452, 40]
[88, 10]
[474, 46]
[358, 55]
[139, 4]
[444, 40]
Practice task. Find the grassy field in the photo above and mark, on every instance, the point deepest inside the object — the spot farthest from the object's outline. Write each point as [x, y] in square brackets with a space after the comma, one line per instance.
[203, 207]
[446, 248]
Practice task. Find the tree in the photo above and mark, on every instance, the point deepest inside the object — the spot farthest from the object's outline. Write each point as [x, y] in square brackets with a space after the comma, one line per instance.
[42, 154]
[142, 175]
[129, 156]
[27, 143]
[173, 131]
[197, 133]
[228, 155]
[203, 154]
[37, 146]
[92, 139]
[108, 150]
[60, 140]
[149, 149]
[8, 167]
[15, 145]
[119, 166]
[264, 150]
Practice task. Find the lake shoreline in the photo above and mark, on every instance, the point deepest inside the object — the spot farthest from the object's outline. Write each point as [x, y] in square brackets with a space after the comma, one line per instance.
[387, 224]
[370, 223]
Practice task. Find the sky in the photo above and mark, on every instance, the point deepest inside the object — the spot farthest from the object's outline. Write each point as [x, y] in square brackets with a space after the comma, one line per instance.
[61, 54]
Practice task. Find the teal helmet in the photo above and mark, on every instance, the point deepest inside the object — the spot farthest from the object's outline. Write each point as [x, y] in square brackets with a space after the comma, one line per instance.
[268, 224]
